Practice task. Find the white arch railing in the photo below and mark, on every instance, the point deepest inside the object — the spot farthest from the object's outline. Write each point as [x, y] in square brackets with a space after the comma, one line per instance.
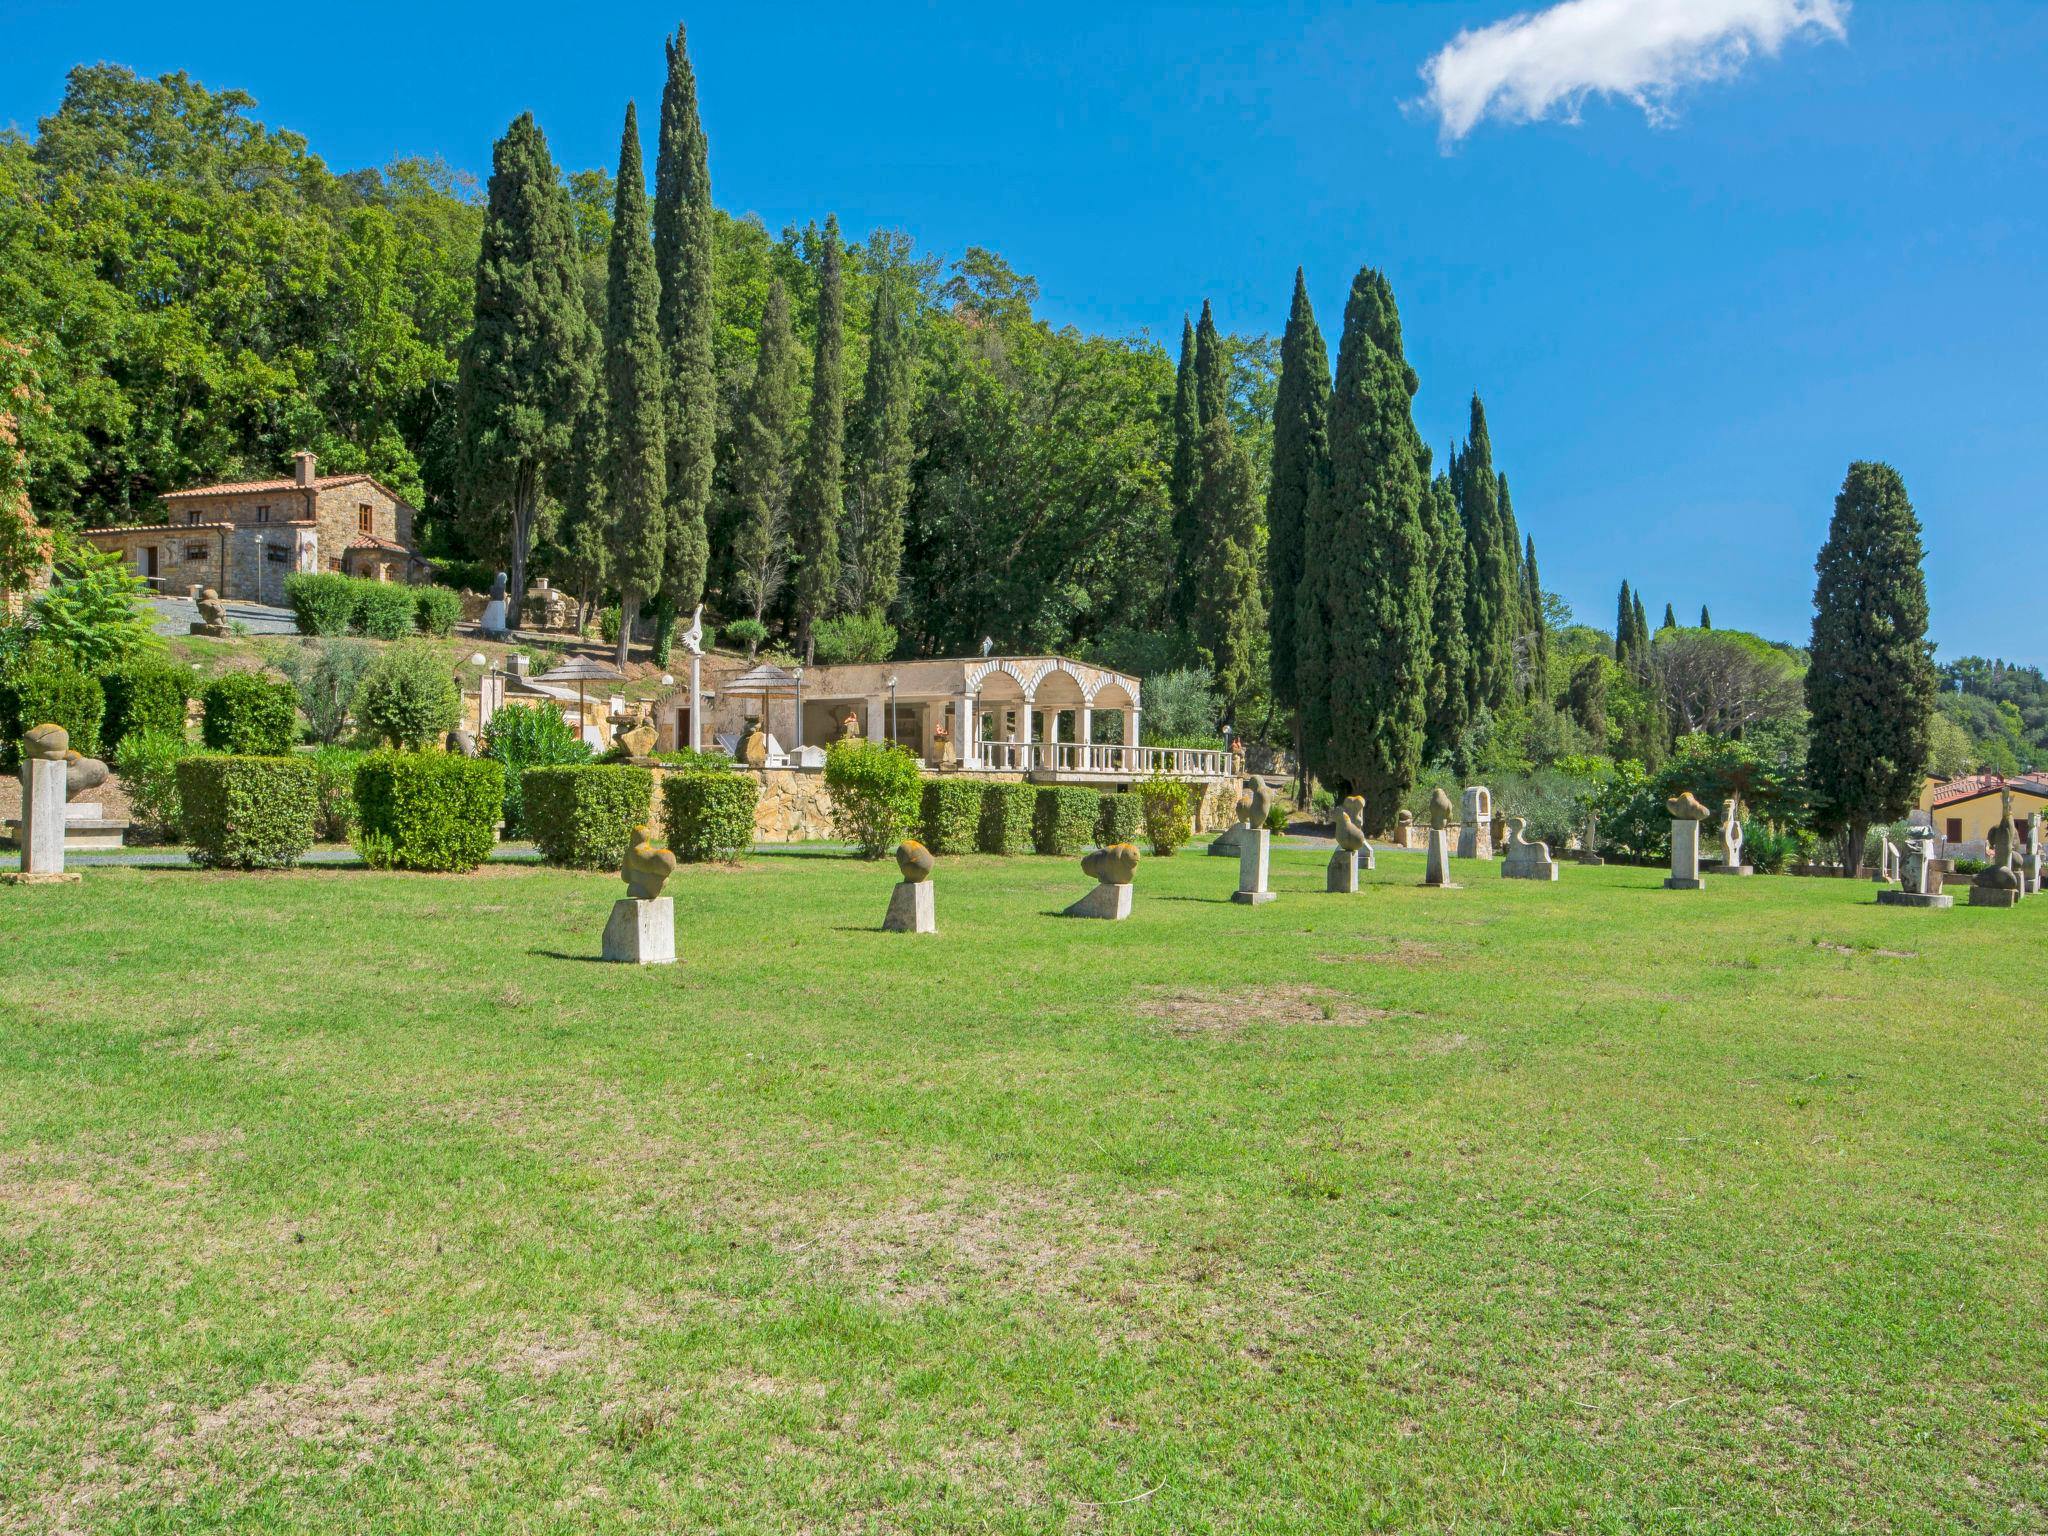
[1106, 760]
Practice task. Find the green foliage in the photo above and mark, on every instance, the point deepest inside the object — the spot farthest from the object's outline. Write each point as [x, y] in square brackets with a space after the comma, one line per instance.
[583, 815]
[709, 815]
[875, 794]
[147, 763]
[854, 638]
[1301, 456]
[747, 632]
[1120, 819]
[247, 812]
[428, 810]
[325, 675]
[335, 770]
[1276, 818]
[249, 715]
[523, 736]
[406, 699]
[1228, 610]
[817, 498]
[460, 576]
[436, 610]
[145, 695]
[1169, 818]
[1006, 815]
[44, 686]
[1063, 819]
[763, 433]
[879, 452]
[1768, 850]
[683, 219]
[1446, 704]
[322, 602]
[1180, 707]
[636, 385]
[384, 610]
[950, 814]
[94, 610]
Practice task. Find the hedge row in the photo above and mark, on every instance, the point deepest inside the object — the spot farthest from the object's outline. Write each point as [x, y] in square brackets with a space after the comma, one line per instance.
[583, 815]
[427, 810]
[52, 690]
[950, 814]
[1064, 819]
[329, 603]
[247, 812]
[709, 815]
[250, 715]
[1006, 814]
[145, 696]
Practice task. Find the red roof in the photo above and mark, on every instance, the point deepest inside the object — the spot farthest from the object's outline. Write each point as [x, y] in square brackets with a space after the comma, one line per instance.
[164, 528]
[250, 487]
[1972, 785]
[371, 541]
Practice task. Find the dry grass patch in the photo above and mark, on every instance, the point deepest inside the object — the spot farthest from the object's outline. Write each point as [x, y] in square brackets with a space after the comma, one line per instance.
[1225, 1011]
[1405, 952]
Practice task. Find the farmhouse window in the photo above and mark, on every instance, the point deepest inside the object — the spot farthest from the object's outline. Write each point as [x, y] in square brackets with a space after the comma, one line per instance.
[364, 518]
[196, 552]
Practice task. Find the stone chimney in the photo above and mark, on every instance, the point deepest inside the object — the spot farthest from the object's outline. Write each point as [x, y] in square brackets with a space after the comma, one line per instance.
[302, 468]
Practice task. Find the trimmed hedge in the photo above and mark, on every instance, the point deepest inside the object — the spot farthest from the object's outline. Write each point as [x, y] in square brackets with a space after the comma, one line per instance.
[950, 814]
[709, 815]
[145, 696]
[1006, 812]
[427, 810]
[436, 610]
[147, 765]
[1120, 820]
[874, 787]
[383, 610]
[583, 815]
[51, 691]
[247, 812]
[322, 602]
[1064, 819]
[249, 715]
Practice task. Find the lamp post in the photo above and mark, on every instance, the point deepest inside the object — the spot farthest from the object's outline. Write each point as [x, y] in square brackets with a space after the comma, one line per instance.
[797, 728]
[892, 709]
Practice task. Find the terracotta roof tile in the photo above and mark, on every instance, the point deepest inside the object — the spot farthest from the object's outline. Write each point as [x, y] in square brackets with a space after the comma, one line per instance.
[1972, 785]
[166, 529]
[242, 487]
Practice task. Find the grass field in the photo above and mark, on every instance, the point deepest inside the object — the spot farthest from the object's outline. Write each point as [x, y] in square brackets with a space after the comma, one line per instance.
[345, 1202]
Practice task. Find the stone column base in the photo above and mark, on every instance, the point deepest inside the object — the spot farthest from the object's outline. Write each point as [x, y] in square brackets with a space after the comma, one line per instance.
[1913, 899]
[1343, 873]
[21, 877]
[1106, 900]
[1992, 896]
[642, 932]
[912, 908]
[1682, 883]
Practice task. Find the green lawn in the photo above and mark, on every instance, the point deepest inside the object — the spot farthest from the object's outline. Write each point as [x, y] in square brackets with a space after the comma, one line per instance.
[343, 1202]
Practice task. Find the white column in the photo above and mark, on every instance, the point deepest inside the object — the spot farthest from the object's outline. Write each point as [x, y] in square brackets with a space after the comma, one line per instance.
[1086, 735]
[966, 726]
[877, 726]
[1131, 736]
[696, 703]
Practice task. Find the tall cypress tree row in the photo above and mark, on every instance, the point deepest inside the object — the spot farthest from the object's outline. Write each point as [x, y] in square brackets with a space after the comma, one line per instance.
[1229, 609]
[1301, 455]
[1365, 731]
[1444, 697]
[682, 259]
[584, 534]
[762, 443]
[1641, 637]
[1537, 625]
[1870, 685]
[1488, 619]
[878, 454]
[527, 368]
[1514, 601]
[1182, 478]
[818, 497]
[1624, 626]
[1212, 370]
[636, 459]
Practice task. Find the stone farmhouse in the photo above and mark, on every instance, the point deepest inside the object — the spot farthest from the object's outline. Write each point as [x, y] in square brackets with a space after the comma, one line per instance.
[242, 538]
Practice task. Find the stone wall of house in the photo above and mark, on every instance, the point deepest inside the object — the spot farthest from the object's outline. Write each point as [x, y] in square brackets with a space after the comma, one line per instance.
[178, 567]
[337, 512]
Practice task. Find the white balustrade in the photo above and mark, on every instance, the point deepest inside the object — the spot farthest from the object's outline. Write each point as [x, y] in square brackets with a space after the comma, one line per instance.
[1104, 760]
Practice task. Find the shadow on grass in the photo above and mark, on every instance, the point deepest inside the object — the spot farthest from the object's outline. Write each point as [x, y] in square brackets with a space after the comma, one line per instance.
[558, 954]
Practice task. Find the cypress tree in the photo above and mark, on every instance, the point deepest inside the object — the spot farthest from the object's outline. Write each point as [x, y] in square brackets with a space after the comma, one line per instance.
[1444, 696]
[1705, 621]
[636, 460]
[818, 499]
[762, 442]
[1624, 626]
[1212, 370]
[1870, 686]
[585, 530]
[1182, 477]
[1364, 730]
[529, 362]
[1538, 626]
[682, 259]
[1514, 601]
[1670, 618]
[1640, 639]
[1487, 617]
[878, 461]
[1229, 609]
[1301, 454]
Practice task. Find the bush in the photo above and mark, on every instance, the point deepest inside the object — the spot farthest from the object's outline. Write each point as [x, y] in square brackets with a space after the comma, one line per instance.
[1972, 867]
[751, 633]
[383, 609]
[461, 576]
[1006, 812]
[583, 816]
[95, 609]
[1120, 819]
[1063, 819]
[1276, 817]
[853, 638]
[709, 814]
[949, 814]
[247, 812]
[875, 794]
[1765, 850]
[1168, 823]
[147, 764]
[523, 736]
[250, 715]
[325, 674]
[322, 602]
[427, 810]
[145, 696]
[407, 699]
[335, 769]
[683, 757]
[48, 688]
[608, 624]
[436, 610]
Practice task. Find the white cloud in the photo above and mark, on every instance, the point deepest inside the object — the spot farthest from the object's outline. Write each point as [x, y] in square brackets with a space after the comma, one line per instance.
[1543, 62]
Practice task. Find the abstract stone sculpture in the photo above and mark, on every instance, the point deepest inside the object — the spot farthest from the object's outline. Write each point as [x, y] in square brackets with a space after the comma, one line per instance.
[1920, 878]
[1113, 869]
[1404, 828]
[46, 764]
[462, 743]
[1437, 863]
[642, 929]
[1731, 838]
[1686, 815]
[1589, 850]
[2001, 884]
[1526, 860]
[753, 744]
[639, 741]
[213, 616]
[46, 743]
[647, 865]
[912, 906]
[1254, 800]
[496, 615]
[1887, 859]
[1475, 836]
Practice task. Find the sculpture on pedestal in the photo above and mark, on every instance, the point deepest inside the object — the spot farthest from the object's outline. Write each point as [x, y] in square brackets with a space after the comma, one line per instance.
[1731, 838]
[912, 907]
[1475, 823]
[1113, 869]
[1436, 869]
[1526, 860]
[1686, 815]
[1919, 877]
[642, 929]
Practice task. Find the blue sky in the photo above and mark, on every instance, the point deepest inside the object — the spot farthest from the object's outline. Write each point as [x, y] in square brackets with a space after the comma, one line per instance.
[1684, 329]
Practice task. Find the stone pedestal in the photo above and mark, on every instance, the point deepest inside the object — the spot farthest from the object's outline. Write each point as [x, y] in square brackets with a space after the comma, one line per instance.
[42, 816]
[1229, 841]
[1106, 900]
[912, 908]
[1685, 857]
[1436, 868]
[1994, 896]
[1534, 864]
[1254, 853]
[1475, 824]
[642, 932]
[1914, 899]
[1343, 874]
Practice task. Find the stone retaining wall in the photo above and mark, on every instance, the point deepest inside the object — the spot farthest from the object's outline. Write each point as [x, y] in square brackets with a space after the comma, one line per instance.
[795, 805]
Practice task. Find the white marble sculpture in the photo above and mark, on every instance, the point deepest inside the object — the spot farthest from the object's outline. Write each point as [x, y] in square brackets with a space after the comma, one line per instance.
[1526, 860]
